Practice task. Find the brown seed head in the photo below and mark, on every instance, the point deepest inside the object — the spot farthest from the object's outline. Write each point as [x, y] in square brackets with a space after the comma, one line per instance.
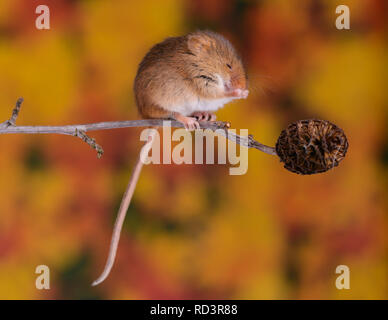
[311, 146]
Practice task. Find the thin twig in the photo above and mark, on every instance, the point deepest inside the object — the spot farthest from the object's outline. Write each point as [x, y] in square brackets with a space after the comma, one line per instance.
[79, 130]
[15, 113]
[90, 141]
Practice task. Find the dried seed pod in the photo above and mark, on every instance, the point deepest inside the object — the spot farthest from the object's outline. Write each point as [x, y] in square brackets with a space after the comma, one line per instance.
[311, 146]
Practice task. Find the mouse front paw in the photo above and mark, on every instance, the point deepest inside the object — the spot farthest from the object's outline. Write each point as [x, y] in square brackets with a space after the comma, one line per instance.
[239, 93]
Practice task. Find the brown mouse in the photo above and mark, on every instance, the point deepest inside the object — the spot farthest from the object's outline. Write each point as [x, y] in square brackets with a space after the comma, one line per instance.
[182, 78]
[187, 78]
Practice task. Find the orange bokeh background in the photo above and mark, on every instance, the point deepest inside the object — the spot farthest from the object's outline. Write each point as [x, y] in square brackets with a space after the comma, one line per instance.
[193, 231]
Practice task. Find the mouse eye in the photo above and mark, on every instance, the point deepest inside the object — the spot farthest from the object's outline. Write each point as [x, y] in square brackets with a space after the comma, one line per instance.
[229, 66]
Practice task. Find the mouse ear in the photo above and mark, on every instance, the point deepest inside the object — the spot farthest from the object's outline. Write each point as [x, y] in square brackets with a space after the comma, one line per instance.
[197, 43]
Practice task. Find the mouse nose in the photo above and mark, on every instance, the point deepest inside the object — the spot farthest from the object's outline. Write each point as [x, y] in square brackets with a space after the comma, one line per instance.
[238, 82]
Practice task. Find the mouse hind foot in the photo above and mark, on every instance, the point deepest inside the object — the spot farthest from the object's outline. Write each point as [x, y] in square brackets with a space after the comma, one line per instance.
[190, 123]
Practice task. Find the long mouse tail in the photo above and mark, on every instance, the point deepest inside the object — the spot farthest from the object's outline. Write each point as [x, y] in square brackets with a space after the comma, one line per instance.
[124, 208]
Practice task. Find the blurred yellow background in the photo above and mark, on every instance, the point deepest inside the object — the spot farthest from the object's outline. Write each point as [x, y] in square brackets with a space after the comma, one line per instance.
[193, 231]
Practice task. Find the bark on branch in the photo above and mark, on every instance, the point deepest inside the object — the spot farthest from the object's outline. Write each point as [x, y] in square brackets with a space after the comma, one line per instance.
[79, 130]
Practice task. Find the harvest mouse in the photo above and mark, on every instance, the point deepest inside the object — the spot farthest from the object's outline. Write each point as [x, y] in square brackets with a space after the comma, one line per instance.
[183, 78]
[186, 78]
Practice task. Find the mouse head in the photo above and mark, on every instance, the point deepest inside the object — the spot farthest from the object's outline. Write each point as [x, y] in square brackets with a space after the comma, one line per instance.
[216, 66]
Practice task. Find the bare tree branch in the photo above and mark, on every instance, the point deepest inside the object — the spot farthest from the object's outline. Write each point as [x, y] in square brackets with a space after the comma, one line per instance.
[79, 130]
